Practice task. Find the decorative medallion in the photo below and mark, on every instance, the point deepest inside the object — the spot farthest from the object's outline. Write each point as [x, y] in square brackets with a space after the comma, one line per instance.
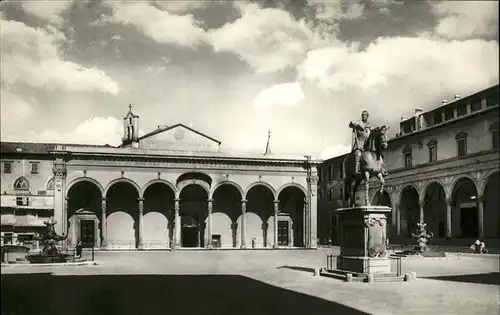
[179, 134]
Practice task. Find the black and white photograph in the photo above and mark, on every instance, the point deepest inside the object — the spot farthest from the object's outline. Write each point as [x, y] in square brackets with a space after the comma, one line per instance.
[249, 157]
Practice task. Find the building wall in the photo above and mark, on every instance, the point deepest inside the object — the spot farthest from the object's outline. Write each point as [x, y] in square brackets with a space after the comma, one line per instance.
[479, 139]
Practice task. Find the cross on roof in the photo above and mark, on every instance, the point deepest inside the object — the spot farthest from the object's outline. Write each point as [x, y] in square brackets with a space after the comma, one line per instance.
[130, 107]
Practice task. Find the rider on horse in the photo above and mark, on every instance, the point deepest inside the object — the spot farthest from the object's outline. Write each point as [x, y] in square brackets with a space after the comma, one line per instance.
[361, 132]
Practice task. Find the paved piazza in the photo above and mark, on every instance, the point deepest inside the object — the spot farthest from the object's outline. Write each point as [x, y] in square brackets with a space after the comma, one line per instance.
[256, 282]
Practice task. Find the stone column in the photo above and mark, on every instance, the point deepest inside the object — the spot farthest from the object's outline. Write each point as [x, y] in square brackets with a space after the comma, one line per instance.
[139, 226]
[397, 208]
[177, 226]
[421, 204]
[313, 209]
[65, 222]
[306, 225]
[480, 215]
[242, 222]
[60, 213]
[449, 204]
[2, 235]
[275, 222]
[209, 223]
[104, 224]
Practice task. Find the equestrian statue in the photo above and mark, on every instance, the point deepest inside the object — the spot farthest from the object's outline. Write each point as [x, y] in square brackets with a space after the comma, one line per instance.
[366, 158]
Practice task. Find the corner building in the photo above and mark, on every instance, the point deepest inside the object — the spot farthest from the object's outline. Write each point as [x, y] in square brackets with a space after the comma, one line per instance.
[443, 169]
[169, 188]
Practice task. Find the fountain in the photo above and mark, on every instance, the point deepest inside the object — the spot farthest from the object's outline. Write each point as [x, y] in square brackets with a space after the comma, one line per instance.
[14, 252]
[422, 237]
[49, 253]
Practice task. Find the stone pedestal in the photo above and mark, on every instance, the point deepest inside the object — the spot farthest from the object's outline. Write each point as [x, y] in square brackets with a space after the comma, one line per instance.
[363, 240]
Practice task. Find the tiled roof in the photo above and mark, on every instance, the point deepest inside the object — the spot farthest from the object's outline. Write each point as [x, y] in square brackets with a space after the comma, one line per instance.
[35, 148]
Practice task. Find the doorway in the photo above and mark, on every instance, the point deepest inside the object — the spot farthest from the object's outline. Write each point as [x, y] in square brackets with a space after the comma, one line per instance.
[283, 233]
[469, 222]
[189, 236]
[87, 233]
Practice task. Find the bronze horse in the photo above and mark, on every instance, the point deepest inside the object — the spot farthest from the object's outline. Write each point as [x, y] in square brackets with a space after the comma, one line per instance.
[371, 164]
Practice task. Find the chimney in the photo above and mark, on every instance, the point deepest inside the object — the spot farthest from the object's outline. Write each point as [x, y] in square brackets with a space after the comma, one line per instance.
[457, 96]
[418, 118]
[444, 102]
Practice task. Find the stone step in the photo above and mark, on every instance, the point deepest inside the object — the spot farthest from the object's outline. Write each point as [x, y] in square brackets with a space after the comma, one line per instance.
[390, 279]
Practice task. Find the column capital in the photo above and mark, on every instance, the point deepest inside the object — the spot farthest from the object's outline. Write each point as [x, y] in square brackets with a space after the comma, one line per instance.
[276, 201]
[103, 198]
[140, 199]
[244, 201]
[480, 198]
[449, 201]
[210, 200]
[177, 199]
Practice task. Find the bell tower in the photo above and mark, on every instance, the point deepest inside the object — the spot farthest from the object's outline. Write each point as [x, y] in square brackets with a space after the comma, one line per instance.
[131, 128]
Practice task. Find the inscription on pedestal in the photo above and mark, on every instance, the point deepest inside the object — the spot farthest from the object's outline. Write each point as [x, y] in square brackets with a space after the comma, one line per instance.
[352, 240]
[376, 246]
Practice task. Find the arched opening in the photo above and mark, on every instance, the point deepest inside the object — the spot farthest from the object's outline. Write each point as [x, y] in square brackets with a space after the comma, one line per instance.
[225, 214]
[259, 217]
[435, 209]
[382, 199]
[291, 217]
[195, 176]
[409, 211]
[159, 216]
[491, 225]
[464, 213]
[193, 212]
[84, 215]
[123, 216]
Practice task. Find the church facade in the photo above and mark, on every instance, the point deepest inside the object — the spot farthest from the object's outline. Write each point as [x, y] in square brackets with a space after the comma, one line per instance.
[170, 188]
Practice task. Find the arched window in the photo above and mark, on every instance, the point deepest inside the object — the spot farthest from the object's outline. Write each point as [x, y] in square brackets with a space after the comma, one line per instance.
[461, 144]
[432, 151]
[408, 157]
[21, 184]
[50, 184]
[494, 135]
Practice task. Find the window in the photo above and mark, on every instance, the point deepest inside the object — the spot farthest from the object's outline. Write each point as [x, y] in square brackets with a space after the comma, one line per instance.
[492, 100]
[7, 167]
[462, 110]
[50, 184]
[21, 184]
[475, 105]
[449, 114]
[34, 167]
[432, 151]
[438, 117]
[408, 157]
[494, 135]
[461, 144]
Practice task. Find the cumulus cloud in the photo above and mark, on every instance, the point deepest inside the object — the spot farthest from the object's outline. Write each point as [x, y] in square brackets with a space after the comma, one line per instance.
[31, 56]
[267, 39]
[285, 94]
[465, 19]
[334, 150]
[47, 10]
[14, 109]
[182, 6]
[415, 62]
[97, 130]
[162, 26]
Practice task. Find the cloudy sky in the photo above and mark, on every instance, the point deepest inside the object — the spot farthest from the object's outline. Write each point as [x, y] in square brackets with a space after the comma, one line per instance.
[234, 70]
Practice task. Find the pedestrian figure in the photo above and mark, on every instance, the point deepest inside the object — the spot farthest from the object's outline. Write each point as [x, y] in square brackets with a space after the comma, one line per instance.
[79, 249]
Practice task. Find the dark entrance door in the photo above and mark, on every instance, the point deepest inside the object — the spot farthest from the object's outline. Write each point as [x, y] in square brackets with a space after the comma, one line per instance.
[469, 222]
[283, 233]
[189, 236]
[87, 230]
